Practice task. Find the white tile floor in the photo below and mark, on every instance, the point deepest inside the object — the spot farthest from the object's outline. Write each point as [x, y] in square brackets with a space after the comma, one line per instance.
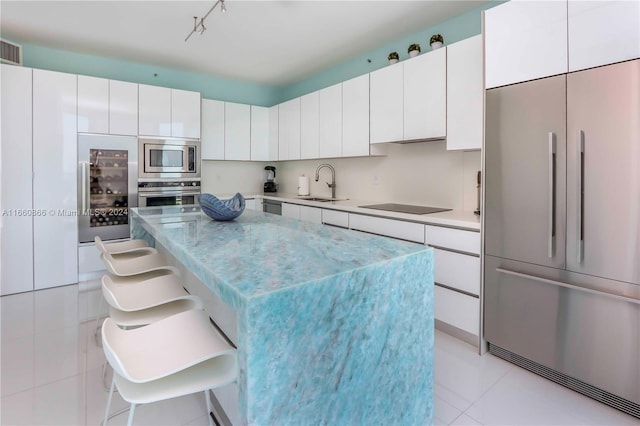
[51, 374]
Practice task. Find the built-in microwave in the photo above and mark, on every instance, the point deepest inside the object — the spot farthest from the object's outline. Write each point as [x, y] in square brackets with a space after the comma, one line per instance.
[168, 158]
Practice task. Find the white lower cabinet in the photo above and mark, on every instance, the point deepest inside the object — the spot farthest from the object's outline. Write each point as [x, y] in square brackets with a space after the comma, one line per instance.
[253, 204]
[457, 309]
[304, 213]
[388, 227]
[55, 162]
[454, 239]
[16, 231]
[456, 270]
[456, 276]
[335, 218]
[310, 214]
[291, 210]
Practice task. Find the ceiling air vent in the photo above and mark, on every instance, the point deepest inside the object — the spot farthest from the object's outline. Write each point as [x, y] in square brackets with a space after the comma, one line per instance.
[10, 53]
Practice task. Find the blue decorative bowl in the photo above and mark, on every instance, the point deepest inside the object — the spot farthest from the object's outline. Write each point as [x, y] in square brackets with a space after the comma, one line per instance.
[218, 209]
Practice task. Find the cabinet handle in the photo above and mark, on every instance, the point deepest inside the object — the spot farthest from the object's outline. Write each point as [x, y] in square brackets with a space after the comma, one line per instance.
[580, 201]
[83, 185]
[570, 286]
[552, 195]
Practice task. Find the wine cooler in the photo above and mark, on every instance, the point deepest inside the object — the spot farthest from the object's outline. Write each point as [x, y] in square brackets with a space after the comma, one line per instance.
[107, 185]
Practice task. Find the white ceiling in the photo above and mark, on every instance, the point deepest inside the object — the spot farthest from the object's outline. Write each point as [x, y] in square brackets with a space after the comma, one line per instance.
[265, 42]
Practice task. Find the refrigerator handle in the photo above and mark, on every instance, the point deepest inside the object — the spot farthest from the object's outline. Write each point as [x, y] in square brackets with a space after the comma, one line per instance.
[619, 297]
[580, 201]
[84, 179]
[552, 195]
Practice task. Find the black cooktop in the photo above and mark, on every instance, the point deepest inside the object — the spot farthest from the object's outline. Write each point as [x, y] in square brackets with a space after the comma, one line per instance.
[405, 208]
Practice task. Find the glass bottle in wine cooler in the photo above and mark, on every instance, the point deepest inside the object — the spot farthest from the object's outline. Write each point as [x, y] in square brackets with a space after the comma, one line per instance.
[107, 186]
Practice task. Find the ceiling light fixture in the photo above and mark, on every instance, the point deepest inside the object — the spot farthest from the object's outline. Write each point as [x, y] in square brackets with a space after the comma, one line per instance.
[199, 26]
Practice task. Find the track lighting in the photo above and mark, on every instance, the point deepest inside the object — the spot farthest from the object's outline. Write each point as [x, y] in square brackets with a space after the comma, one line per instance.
[199, 26]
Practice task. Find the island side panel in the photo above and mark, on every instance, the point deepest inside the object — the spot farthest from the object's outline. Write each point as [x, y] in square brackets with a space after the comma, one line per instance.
[355, 348]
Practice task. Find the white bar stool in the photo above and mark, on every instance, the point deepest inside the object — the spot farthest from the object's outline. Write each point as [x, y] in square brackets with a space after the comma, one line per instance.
[173, 357]
[121, 246]
[136, 263]
[139, 303]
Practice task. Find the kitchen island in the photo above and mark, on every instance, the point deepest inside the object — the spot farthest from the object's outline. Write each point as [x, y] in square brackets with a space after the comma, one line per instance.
[332, 326]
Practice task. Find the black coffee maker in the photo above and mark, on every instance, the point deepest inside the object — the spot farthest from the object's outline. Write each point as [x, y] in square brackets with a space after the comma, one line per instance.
[270, 184]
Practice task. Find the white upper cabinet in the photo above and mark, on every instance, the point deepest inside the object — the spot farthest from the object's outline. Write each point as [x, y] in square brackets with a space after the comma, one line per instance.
[465, 94]
[154, 110]
[168, 112]
[310, 126]
[93, 104]
[16, 232]
[123, 108]
[107, 106]
[237, 131]
[602, 32]
[260, 148]
[289, 130]
[55, 177]
[185, 114]
[525, 40]
[212, 141]
[355, 116]
[273, 132]
[386, 104]
[331, 121]
[425, 96]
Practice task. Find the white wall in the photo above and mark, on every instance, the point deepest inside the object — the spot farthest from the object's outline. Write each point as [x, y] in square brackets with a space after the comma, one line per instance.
[419, 173]
[229, 177]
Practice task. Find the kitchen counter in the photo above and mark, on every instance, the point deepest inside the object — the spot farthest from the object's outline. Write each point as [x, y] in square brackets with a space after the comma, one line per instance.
[453, 218]
[333, 326]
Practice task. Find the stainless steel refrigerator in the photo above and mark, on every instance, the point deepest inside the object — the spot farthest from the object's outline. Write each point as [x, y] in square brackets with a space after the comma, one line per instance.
[107, 185]
[562, 229]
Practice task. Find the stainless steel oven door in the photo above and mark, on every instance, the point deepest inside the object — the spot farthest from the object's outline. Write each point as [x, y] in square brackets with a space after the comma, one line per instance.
[169, 158]
[172, 198]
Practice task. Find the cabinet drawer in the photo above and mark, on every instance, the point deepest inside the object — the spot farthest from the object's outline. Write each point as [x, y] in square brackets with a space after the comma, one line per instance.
[336, 218]
[458, 310]
[454, 239]
[388, 227]
[457, 271]
[310, 214]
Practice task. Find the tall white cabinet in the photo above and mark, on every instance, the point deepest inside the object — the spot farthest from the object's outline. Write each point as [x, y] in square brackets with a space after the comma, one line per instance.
[55, 162]
[289, 130]
[237, 131]
[310, 125]
[330, 137]
[465, 94]
[16, 229]
[355, 116]
[212, 140]
[386, 103]
[425, 96]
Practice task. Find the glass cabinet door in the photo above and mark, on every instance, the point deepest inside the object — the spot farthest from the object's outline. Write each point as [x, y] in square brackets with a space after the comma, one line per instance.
[108, 190]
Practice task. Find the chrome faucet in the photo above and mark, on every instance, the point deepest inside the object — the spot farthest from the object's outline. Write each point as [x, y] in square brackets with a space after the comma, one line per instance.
[331, 185]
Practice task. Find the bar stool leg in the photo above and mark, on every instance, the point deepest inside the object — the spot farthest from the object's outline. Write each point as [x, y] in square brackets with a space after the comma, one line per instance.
[106, 412]
[208, 400]
[131, 411]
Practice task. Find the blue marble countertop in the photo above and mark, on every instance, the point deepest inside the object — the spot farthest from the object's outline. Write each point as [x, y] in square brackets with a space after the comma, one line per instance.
[333, 326]
[259, 253]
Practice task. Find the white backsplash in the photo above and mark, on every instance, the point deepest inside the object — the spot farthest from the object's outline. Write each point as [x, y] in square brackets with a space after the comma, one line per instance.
[418, 173]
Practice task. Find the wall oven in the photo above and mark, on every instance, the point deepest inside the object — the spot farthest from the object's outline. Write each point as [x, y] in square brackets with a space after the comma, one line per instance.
[168, 159]
[168, 193]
